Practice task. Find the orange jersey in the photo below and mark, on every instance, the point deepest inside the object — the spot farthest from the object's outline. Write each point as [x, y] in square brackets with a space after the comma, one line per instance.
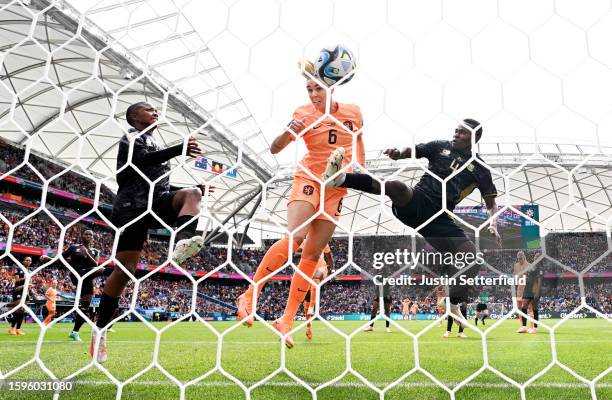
[325, 135]
[440, 293]
[51, 295]
[415, 308]
[405, 306]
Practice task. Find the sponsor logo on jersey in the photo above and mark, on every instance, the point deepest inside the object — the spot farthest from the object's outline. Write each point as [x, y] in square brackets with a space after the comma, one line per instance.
[445, 152]
[308, 190]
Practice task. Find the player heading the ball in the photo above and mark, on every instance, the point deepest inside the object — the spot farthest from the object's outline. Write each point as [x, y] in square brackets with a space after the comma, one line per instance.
[322, 134]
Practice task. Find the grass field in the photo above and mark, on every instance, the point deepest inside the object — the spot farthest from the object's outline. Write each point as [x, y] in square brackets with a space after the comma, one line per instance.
[189, 349]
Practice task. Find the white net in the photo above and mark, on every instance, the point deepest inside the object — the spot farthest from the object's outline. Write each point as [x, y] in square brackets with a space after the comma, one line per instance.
[536, 75]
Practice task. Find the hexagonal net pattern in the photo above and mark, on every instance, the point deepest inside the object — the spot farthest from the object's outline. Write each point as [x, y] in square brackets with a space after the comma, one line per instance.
[214, 71]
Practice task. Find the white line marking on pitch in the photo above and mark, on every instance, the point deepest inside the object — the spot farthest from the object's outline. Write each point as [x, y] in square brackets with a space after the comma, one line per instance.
[481, 385]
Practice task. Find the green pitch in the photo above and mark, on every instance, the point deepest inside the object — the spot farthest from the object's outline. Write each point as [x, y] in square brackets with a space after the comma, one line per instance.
[189, 349]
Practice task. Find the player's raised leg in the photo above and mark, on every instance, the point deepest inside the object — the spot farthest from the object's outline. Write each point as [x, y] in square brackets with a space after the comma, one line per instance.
[399, 193]
[188, 244]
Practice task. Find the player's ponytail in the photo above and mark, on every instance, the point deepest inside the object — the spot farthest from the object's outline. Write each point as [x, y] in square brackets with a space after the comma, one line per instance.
[307, 68]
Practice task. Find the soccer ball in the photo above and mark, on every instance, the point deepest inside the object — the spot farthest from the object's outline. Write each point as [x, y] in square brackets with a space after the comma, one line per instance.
[334, 64]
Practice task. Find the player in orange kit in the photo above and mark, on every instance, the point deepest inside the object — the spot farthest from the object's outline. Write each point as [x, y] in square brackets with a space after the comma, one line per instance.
[326, 262]
[406, 309]
[51, 295]
[324, 125]
[414, 309]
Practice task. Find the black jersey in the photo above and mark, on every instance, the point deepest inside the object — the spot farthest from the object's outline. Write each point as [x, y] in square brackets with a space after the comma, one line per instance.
[19, 276]
[151, 160]
[443, 161]
[77, 259]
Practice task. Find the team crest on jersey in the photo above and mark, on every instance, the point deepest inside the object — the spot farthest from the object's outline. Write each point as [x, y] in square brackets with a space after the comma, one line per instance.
[445, 152]
[308, 190]
[349, 125]
[471, 167]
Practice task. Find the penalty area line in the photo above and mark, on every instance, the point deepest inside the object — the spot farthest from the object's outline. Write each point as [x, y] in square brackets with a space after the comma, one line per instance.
[478, 385]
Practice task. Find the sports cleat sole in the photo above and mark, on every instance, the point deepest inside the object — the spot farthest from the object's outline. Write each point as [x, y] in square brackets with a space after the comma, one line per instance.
[187, 248]
[334, 163]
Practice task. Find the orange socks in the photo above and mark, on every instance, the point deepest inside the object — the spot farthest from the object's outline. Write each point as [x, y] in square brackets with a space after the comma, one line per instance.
[299, 288]
[275, 257]
[47, 320]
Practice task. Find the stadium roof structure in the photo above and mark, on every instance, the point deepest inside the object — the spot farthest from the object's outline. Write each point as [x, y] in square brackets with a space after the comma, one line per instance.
[75, 73]
[74, 79]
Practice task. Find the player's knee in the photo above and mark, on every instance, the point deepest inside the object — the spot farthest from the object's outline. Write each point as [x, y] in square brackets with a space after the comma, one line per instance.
[121, 276]
[398, 192]
[298, 238]
[193, 195]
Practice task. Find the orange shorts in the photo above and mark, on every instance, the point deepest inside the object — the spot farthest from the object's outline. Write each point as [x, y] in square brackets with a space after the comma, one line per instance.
[309, 191]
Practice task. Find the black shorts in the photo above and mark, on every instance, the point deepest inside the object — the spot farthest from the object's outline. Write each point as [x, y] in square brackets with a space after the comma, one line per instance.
[530, 295]
[387, 300]
[17, 295]
[135, 235]
[442, 232]
[481, 307]
[88, 283]
[531, 291]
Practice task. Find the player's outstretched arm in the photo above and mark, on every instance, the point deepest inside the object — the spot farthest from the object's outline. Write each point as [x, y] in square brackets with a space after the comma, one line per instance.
[295, 127]
[142, 157]
[397, 154]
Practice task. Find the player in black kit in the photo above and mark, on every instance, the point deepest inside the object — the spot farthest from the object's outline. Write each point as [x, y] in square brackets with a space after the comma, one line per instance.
[482, 312]
[83, 258]
[17, 317]
[377, 292]
[177, 207]
[415, 205]
[531, 297]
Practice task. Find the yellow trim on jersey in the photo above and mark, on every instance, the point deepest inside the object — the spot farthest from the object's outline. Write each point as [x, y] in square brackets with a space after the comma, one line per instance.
[465, 192]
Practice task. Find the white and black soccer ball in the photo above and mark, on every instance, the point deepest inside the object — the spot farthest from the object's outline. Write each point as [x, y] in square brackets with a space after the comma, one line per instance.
[334, 64]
